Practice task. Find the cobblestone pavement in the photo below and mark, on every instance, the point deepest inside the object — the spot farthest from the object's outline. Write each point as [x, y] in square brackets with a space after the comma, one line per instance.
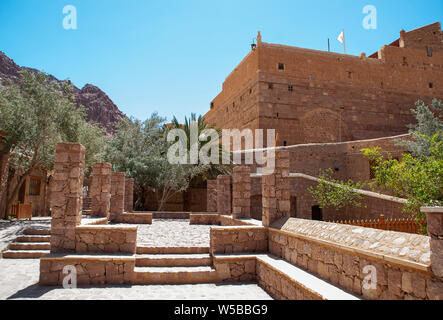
[170, 233]
[9, 230]
[18, 280]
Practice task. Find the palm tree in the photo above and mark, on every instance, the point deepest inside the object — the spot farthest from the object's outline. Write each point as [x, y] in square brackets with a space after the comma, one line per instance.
[213, 169]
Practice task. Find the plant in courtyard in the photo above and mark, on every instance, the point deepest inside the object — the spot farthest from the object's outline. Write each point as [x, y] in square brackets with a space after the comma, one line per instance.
[36, 113]
[415, 178]
[140, 149]
[428, 124]
[337, 194]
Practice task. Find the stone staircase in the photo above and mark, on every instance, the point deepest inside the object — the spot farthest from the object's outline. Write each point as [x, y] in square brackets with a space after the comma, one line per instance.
[34, 244]
[174, 265]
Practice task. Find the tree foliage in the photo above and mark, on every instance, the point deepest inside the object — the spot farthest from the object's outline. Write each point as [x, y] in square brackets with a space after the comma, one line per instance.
[428, 125]
[417, 179]
[332, 193]
[36, 113]
[140, 148]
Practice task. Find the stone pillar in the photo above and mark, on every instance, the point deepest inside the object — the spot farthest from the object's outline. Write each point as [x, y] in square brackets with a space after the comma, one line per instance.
[276, 190]
[241, 192]
[211, 196]
[100, 190]
[66, 195]
[435, 231]
[224, 195]
[129, 195]
[117, 194]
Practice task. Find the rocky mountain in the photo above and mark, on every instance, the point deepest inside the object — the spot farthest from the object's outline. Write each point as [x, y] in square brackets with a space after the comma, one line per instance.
[100, 108]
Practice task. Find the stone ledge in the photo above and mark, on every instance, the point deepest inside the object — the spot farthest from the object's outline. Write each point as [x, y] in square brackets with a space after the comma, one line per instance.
[88, 257]
[238, 228]
[107, 227]
[360, 252]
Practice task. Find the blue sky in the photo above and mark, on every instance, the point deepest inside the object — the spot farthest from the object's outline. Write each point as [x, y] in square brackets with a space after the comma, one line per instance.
[173, 56]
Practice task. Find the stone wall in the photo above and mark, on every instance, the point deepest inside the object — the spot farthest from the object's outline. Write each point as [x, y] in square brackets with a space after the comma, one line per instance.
[66, 195]
[241, 192]
[275, 190]
[117, 194]
[105, 239]
[100, 189]
[204, 218]
[339, 254]
[238, 239]
[134, 218]
[224, 195]
[129, 195]
[350, 97]
[91, 270]
[211, 198]
[236, 269]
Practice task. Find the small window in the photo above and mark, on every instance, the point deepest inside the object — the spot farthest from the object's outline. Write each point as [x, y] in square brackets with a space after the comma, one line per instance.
[270, 86]
[281, 66]
[317, 213]
[233, 105]
[429, 50]
[285, 143]
[349, 75]
[277, 114]
[290, 88]
[405, 61]
[250, 91]
[431, 85]
[241, 98]
[212, 105]
[34, 186]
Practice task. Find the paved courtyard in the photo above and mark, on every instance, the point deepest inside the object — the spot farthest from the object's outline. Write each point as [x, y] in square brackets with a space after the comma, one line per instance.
[18, 280]
[171, 233]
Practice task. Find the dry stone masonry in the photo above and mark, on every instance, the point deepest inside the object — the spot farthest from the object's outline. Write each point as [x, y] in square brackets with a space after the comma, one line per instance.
[101, 189]
[129, 195]
[211, 192]
[117, 194]
[276, 190]
[224, 194]
[241, 192]
[66, 195]
[435, 231]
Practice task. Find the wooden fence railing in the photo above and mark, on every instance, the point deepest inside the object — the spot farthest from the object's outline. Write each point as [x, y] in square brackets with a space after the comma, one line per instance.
[409, 225]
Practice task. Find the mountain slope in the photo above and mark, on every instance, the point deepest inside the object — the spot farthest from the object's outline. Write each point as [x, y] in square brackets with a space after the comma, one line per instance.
[100, 108]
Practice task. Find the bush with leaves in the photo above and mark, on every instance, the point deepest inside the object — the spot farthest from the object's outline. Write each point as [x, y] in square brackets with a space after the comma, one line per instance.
[35, 114]
[332, 193]
[417, 179]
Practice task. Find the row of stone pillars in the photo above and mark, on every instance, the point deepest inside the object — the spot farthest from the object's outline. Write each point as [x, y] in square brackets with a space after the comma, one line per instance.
[111, 194]
[275, 192]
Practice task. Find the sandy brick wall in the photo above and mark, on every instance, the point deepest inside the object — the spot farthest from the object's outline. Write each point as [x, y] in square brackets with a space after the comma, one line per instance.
[211, 202]
[105, 239]
[224, 196]
[241, 192]
[117, 207]
[129, 195]
[339, 254]
[100, 189]
[238, 239]
[91, 270]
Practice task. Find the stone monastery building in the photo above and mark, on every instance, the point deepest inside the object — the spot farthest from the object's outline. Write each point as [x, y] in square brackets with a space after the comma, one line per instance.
[312, 96]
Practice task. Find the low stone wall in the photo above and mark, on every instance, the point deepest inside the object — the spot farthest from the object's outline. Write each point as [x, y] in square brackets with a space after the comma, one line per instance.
[230, 221]
[204, 218]
[134, 218]
[340, 253]
[236, 269]
[170, 215]
[105, 239]
[91, 269]
[238, 239]
[280, 286]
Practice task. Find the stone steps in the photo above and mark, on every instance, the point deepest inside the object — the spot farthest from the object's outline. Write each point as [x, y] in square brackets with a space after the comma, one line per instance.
[171, 250]
[33, 238]
[37, 232]
[173, 260]
[175, 275]
[24, 254]
[30, 246]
